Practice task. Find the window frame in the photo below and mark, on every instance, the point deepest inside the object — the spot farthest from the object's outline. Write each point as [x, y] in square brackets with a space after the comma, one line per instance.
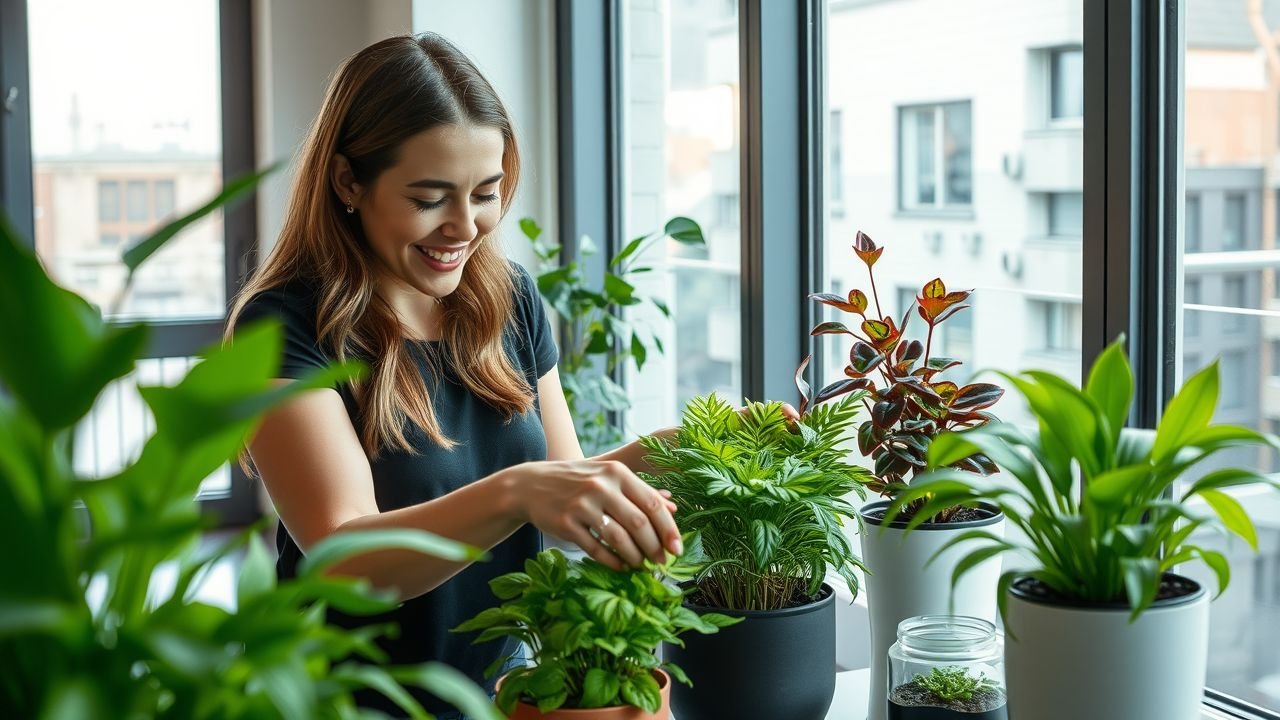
[168, 338]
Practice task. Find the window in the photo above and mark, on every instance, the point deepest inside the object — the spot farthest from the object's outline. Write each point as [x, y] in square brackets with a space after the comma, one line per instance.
[1233, 296]
[1229, 121]
[835, 158]
[681, 148]
[1067, 84]
[108, 201]
[935, 156]
[1066, 214]
[128, 141]
[1233, 222]
[136, 201]
[1191, 318]
[164, 198]
[1191, 224]
[1059, 325]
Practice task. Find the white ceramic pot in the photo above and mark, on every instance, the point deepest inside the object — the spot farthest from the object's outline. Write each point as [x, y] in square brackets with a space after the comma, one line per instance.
[1066, 662]
[900, 586]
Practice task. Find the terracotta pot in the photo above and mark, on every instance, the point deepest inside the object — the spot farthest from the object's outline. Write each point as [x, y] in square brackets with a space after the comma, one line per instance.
[623, 712]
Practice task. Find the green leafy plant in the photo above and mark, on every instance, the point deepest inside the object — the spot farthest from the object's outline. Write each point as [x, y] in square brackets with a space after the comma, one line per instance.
[1097, 502]
[599, 339]
[592, 631]
[909, 403]
[84, 632]
[953, 683]
[766, 496]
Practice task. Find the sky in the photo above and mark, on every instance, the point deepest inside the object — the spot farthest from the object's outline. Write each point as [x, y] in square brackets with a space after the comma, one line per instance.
[144, 73]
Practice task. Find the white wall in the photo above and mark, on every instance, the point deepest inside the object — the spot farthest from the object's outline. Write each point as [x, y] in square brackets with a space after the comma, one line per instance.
[298, 44]
[513, 44]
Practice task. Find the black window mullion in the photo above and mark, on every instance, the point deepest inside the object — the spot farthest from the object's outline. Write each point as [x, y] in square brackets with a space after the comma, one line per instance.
[16, 191]
[781, 218]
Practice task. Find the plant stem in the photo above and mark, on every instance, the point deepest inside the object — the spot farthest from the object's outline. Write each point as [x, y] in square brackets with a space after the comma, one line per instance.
[875, 294]
[928, 345]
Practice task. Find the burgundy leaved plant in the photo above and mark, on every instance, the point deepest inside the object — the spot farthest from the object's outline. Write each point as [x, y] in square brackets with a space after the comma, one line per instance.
[909, 403]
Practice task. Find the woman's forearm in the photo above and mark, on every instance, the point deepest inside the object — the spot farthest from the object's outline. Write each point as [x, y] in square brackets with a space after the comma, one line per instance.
[482, 514]
[632, 454]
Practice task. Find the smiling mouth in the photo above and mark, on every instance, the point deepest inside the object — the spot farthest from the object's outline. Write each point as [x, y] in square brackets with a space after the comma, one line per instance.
[440, 256]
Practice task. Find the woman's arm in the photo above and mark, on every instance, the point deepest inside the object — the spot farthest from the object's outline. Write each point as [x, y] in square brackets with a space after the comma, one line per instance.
[315, 470]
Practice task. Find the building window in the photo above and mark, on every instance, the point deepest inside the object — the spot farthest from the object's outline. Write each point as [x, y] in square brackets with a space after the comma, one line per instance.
[935, 151]
[1057, 325]
[109, 239]
[136, 201]
[1233, 224]
[1191, 224]
[1231, 371]
[1275, 358]
[1066, 214]
[1067, 84]
[164, 198]
[1191, 318]
[1233, 296]
[835, 160]
[108, 201]
[728, 210]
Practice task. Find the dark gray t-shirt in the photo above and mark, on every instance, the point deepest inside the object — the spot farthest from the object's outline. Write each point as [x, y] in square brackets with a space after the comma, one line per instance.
[486, 444]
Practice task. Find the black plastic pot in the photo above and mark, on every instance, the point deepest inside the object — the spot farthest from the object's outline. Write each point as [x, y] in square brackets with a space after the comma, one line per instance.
[773, 664]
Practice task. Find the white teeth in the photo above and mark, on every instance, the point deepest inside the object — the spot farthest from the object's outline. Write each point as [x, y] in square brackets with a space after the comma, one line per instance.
[442, 256]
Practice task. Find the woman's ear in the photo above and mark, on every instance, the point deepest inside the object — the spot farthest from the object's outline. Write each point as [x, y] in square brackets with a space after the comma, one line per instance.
[344, 181]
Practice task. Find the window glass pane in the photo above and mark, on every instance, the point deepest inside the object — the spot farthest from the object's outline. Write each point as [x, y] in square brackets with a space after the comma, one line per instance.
[1233, 222]
[948, 115]
[1068, 83]
[1066, 214]
[835, 157]
[164, 190]
[957, 153]
[681, 144]
[108, 201]
[1230, 131]
[93, 132]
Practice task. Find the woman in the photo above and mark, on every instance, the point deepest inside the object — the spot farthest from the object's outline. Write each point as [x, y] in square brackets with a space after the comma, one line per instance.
[460, 428]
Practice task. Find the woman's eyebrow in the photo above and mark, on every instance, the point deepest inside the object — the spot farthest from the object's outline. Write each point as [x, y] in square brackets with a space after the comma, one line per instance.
[446, 185]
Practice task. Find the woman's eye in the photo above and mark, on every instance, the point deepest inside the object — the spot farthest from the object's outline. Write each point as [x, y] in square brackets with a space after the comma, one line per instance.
[485, 199]
[425, 205]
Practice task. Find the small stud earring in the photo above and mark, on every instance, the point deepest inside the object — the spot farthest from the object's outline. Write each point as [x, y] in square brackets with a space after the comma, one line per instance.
[350, 207]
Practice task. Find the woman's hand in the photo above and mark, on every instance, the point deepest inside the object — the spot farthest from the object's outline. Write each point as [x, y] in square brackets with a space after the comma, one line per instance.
[601, 505]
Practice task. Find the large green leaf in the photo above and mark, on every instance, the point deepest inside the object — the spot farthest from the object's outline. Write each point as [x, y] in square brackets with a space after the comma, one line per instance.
[684, 230]
[1232, 515]
[1111, 385]
[342, 545]
[1188, 413]
[56, 353]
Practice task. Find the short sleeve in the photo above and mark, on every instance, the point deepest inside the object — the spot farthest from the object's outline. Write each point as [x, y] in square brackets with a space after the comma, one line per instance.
[295, 311]
[538, 324]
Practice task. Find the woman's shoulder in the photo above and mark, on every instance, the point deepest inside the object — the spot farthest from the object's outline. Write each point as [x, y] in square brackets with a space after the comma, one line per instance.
[293, 303]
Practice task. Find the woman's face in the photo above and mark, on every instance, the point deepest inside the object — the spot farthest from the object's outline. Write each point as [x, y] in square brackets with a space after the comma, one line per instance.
[425, 216]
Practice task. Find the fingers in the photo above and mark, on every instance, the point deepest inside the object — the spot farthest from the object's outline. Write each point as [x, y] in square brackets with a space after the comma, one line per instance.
[655, 508]
[614, 535]
[579, 536]
[790, 412]
[629, 521]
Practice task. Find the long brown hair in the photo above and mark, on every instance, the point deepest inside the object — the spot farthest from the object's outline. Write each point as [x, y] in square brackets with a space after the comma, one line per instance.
[380, 97]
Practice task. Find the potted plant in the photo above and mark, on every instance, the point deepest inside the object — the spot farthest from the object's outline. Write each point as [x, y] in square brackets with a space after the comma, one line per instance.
[910, 404]
[767, 497]
[592, 632]
[948, 694]
[88, 632]
[1100, 625]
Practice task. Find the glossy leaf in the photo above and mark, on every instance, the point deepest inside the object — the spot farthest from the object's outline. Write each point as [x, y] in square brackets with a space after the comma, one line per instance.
[684, 230]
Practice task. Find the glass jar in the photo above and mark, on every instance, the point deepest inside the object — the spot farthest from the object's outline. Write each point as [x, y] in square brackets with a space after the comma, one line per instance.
[946, 667]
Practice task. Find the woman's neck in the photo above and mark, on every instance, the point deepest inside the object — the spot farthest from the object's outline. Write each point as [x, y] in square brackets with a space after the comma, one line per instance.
[419, 314]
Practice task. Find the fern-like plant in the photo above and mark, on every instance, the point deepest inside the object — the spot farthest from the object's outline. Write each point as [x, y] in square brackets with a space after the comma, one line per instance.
[953, 683]
[766, 495]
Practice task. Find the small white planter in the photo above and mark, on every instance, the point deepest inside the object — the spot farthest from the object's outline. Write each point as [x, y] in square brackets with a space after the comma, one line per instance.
[900, 586]
[1071, 662]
